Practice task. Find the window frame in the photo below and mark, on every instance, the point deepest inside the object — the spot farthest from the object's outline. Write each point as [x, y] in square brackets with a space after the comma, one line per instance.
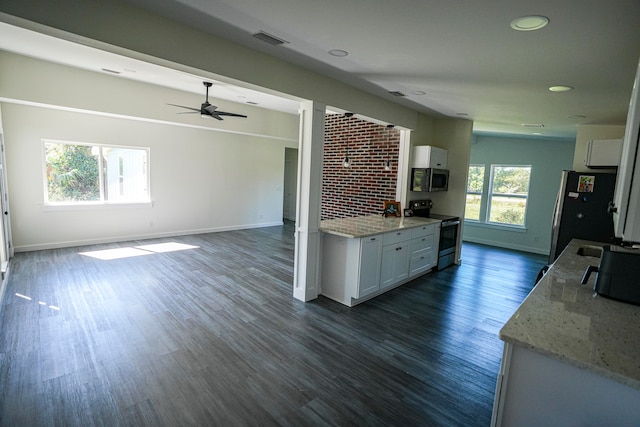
[490, 195]
[480, 193]
[49, 205]
[487, 194]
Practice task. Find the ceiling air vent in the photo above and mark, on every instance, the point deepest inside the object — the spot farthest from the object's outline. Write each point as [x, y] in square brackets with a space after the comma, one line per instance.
[397, 93]
[268, 38]
[533, 125]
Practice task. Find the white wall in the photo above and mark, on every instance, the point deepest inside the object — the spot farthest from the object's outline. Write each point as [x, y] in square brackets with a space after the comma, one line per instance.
[202, 179]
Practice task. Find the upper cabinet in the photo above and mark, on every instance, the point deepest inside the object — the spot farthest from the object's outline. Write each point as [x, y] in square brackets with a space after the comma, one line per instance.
[428, 156]
[603, 153]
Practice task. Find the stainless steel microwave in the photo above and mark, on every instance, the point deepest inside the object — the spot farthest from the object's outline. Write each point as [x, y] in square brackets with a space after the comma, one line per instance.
[429, 179]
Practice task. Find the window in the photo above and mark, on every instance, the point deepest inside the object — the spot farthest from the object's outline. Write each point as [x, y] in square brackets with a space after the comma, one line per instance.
[88, 174]
[509, 192]
[475, 185]
[504, 200]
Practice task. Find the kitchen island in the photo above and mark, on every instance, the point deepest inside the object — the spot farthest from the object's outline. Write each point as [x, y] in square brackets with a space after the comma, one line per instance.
[365, 256]
[570, 357]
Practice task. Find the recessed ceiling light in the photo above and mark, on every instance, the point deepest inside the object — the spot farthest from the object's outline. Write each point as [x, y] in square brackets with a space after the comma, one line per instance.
[560, 88]
[338, 52]
[419, 92]
[529, 23]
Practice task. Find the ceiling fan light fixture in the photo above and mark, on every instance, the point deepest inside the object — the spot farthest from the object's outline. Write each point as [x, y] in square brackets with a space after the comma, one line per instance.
[530, 23]
[561, 88]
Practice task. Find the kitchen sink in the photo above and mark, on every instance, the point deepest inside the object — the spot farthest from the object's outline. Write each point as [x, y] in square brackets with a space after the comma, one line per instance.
[594, 251]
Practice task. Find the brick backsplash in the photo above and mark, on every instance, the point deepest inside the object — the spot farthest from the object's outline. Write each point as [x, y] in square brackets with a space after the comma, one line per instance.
[362, 188]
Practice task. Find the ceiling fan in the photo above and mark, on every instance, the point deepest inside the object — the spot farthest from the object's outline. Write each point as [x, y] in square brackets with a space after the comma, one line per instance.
[206, 109]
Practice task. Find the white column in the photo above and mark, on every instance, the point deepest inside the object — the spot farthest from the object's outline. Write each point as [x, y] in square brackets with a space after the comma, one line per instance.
[306, 274]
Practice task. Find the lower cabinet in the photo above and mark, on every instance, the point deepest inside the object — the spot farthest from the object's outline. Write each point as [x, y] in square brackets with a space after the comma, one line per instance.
[424, 249]
[355, 269]
[369, 271]
[395, 258]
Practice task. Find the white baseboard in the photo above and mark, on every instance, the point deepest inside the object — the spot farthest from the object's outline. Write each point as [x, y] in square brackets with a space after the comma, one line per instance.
[115, 239]
[507, 246]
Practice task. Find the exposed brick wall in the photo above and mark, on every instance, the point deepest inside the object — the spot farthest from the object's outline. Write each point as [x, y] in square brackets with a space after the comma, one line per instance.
[362, 188]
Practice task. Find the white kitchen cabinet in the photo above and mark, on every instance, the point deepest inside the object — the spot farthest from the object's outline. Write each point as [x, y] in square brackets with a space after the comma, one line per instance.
[396, 247]
[424, 245]
[428, 156]
[603, 153]
[369, 271]
[350, 267]
[355, 269]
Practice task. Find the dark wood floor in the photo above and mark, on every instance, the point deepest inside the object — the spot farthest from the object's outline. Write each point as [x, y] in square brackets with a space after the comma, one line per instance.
[213, 336]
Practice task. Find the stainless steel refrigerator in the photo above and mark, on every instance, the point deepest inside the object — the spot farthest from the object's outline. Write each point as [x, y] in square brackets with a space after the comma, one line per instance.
[581, 210]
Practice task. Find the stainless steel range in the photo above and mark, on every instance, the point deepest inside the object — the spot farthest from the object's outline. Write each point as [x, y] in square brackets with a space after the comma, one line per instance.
[449, 230]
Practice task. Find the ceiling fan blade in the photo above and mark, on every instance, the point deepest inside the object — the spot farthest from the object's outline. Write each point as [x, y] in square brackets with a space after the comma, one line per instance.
[224, 113]
[182, 106]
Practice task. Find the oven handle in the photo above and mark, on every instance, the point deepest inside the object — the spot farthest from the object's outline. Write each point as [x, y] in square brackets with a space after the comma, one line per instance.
[450, 223]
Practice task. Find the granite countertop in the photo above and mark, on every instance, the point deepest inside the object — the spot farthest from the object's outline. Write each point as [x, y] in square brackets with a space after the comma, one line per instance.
[363, 226]
[563, 319]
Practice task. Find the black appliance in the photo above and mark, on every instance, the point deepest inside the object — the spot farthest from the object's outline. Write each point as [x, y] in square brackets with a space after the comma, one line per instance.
[429, 179]
[449, 229]
[617, 275]
[580, 211]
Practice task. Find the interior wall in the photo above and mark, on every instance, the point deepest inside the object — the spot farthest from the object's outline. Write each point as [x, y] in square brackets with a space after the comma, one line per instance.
[206, 175]
[201, 180]
[547, 159]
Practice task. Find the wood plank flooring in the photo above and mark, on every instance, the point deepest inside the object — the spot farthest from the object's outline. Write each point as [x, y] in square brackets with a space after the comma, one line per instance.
[212, 336]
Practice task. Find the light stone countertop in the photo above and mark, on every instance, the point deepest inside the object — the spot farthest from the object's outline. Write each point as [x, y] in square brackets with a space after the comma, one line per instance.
[563, 319]
[363, 226]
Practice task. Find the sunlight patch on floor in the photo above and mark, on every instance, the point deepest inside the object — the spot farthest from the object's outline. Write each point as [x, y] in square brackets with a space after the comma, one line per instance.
[128, 252]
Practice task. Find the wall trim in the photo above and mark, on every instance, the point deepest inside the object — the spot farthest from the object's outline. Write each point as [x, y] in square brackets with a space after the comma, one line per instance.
[74, 243]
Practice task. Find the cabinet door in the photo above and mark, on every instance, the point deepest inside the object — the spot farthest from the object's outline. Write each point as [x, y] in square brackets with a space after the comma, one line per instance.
[369, 277]
[395, 264]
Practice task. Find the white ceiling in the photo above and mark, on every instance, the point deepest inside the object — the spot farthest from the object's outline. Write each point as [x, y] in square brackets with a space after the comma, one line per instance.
[462, 54]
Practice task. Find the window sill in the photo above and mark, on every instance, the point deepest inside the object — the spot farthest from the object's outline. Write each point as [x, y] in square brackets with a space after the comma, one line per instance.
[95, 206]
[504, 227]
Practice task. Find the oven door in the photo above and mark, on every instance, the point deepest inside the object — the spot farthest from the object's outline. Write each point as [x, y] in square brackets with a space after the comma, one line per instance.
[448, 243]
[438, 179]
